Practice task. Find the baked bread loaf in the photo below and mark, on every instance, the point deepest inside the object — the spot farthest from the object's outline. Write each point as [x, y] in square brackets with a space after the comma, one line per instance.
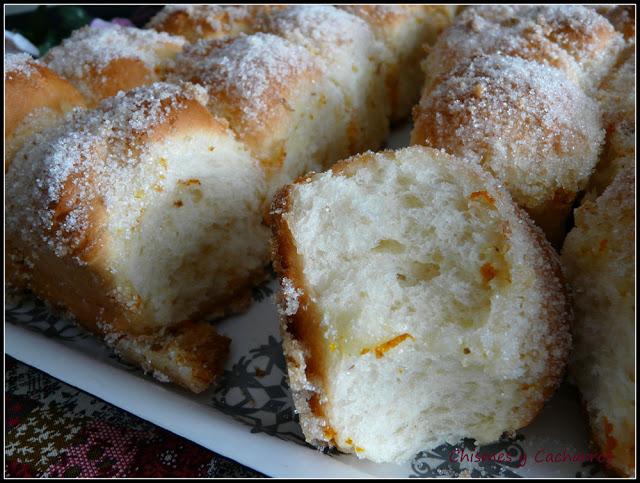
[599, 258]
[34, 97]
[138, 216]
[526, 123]
[411, 276]
[100, 62]
[304, 89]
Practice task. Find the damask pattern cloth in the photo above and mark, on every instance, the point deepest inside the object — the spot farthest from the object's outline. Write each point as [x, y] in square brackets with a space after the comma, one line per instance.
[55, 430]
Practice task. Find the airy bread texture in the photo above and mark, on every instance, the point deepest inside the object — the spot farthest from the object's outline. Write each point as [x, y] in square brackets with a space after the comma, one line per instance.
[419, 305]
[35, 97]
[100, 62]
[138, 215]
[525, 122]
[599, 258]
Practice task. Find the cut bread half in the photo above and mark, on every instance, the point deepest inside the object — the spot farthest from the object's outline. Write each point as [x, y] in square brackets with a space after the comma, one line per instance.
[419, 305]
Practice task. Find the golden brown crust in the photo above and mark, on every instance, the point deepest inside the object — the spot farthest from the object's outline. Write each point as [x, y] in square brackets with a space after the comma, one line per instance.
[558, 314]
[191, 354]
[26, 94]
[304, 325]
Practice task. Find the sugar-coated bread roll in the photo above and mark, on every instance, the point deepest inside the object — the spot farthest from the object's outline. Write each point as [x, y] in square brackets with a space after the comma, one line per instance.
[35, 97]
[419, 305]
[276, 97]
[573, 38]
[525, 122]
[195, 22]
[617, 98]
[100, 62]
[352, 58]
[138, 215]
[406, 30]
[599, 258]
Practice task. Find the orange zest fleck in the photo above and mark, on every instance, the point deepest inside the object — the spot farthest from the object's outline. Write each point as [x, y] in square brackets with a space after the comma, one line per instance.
[488, 272]
[349, 441]
[610, 441]
[603, 245]
[189, 182]
[484, 196]
[332, 347]
[379, 350]
[329, 433]
[359, 449]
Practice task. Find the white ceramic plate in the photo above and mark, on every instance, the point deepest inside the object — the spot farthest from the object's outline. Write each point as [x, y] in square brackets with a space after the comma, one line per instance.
[249, 416]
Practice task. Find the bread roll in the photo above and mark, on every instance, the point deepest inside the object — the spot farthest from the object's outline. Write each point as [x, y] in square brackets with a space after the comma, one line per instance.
[406, 30]
[138, 216]
[35, 97]
[100, 62]
[196, 22]
[598, 255]
[526, 123]
[352, 58]
[617, 98]
[276, 97]
[573, 38]
[419, 305]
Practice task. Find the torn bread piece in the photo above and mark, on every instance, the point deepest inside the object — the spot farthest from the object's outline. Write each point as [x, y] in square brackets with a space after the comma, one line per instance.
[419, 305]
[138, 215]
[599, 259]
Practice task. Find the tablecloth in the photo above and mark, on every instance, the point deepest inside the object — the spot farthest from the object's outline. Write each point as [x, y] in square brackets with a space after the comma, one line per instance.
[55, 430]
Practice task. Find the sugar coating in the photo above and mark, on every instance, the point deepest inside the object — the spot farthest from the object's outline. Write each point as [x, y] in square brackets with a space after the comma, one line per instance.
[290, 297]
[318, 24]
[94, 48]
[531, 126]
[249, 67]
[216, 17]
[573, 38]
[22, 64]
